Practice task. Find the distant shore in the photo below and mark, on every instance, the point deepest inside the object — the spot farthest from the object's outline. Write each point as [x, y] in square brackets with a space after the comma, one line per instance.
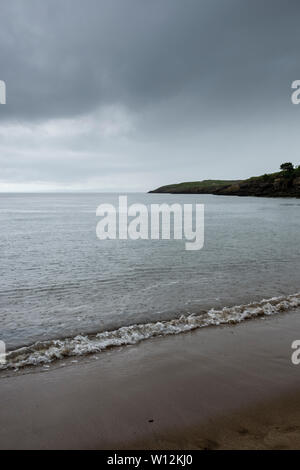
[280, 184]
[226, 387]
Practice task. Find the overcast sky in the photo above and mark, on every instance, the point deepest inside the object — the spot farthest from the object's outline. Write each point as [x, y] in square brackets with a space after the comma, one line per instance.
[128, 95]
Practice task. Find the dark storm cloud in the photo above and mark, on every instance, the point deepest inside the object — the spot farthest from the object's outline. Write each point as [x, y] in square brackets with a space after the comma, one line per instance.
[180, 69]
[65, 57]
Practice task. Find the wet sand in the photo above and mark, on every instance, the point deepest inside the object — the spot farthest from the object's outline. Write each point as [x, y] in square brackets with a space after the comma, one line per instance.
[216, 388]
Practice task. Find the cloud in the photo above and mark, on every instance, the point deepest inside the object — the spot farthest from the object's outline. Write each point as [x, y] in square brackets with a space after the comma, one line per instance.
[148, 90]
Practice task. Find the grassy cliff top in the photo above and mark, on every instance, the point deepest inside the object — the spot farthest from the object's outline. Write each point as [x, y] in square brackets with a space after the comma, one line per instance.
[190, 186]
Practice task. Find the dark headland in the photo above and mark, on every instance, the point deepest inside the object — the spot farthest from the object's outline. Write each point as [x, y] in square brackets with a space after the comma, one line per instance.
[285, 183]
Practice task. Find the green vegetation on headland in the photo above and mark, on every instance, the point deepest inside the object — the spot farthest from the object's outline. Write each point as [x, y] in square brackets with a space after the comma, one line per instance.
[285, 183]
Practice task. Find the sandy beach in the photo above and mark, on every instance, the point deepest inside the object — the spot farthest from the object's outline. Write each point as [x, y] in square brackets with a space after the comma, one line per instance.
[230, 387]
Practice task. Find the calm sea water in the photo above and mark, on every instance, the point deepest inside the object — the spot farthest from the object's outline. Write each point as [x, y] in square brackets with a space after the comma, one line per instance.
[58, 279]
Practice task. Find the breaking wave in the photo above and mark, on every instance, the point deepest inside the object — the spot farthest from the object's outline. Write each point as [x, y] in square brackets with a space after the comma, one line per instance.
[45, 352]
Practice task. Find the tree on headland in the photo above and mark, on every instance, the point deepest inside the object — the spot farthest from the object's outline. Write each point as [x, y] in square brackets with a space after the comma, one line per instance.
[288, 167]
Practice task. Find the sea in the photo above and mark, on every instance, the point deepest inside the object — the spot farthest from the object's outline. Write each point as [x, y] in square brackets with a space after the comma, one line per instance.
[65, 293]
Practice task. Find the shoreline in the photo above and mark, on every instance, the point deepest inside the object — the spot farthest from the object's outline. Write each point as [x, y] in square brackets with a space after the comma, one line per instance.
[45, 352]
[223, 387]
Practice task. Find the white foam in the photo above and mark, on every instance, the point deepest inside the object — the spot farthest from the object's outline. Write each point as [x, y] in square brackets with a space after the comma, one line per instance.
[46, 352]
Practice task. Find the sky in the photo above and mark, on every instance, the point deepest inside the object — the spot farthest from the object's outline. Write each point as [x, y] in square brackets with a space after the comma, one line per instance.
[129, 95]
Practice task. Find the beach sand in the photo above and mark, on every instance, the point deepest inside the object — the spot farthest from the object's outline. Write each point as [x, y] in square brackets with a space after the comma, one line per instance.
[231, 387]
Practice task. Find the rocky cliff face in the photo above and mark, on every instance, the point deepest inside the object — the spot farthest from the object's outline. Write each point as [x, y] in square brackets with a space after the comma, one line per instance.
[268, 187]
